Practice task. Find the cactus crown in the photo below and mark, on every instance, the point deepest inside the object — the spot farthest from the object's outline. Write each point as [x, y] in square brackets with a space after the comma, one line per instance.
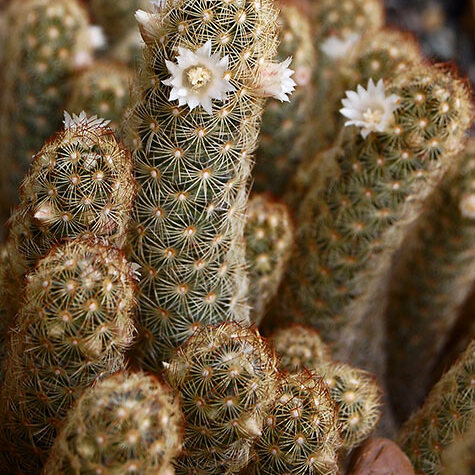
[300, 434]
[227, 378]
[127, 423]
[73, 328]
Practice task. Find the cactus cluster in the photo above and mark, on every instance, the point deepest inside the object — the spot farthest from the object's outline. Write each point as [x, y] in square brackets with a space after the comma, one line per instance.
[127, 423]
[72, 329]
[269, 239]
[192, 163]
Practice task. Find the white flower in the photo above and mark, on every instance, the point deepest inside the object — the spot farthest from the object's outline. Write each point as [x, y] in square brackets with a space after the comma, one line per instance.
[198, 77]
[158, 4]
[275, 80]
[337, 48]
[44, 213]
[144, 18]
[370, 108]
[467, 206]
[97, 39]
[82, 120]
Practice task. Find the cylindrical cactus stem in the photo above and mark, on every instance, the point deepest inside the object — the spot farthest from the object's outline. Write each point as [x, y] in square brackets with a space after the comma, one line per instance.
[81, 181]
[281, 146]
[350, 230]
[269, 239]
[431, 280]
[446, 417]
[339, 26]
[102, 90]
[72, 329]
[301, 432]
[194, 129]
[127, 423]
[227, 377]
[358, 399]
[299, 347]
[46, 41]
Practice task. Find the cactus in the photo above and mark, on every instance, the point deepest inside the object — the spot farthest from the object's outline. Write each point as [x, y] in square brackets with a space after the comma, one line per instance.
[301, 434]
[350, 230]
[72, 329]
[46, 41]
[430, 282]
[227, 378]
[103, 90]
[269, 240]
[81, 181]
[446, 417]
[127, 423]
[357, 397]
[299, 347]
[281, 143]
[192, 161]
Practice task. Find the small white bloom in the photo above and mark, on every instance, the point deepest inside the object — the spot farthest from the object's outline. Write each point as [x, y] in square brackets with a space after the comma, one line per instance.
[198, 77]
[44, 213]
[83, 59]
[467, 206]
[144, 18]
[337, 48]
[97, 39]
[275, 80]
[159, 4]
[369, 108]
[82, 120]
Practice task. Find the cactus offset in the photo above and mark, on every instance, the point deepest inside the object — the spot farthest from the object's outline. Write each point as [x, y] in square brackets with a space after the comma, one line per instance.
[227, 378]
[430, 282]
[446, 417]
[301, 434]
[72, 329]
[269, 239]
[46, 41]
[192, 163]
[281, 143]
[127, 423]
[103, 90]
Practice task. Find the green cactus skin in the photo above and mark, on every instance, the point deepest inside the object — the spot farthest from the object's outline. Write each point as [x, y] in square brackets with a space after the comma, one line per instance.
[269, 239]
[46, 41]
[351, 229]
[127, 423]
[281, 142]
[431, 281]
[192, 168]
[102, 90]
[81, 181]
[335, 19]
[72, 329]
[301, 434]
[446, 417]
[227, 377]
[357, 397]
[299, 347]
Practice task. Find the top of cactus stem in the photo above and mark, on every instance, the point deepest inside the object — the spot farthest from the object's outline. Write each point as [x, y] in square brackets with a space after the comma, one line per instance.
[80, 182]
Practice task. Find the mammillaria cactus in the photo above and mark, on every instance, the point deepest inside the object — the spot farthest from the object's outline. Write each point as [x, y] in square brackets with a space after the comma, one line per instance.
[269, 239]
[299, 347]
[127, 423]
[357, 397]
[301, 434]
[193, 130]
[46, 41]
[80, 182]
[281, 142]
[410, 131]
[446, 417]
[432, 279]
[102, 90]
[227, 377]
[72, 329]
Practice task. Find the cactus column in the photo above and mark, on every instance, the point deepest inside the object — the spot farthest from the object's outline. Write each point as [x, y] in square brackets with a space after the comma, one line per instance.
[193, 132]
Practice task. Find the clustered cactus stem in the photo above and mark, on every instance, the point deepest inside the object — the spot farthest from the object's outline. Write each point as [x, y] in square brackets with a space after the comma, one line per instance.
[431, 280]
[193, 131]
[127, 423]
[445, 419]
[72, 329]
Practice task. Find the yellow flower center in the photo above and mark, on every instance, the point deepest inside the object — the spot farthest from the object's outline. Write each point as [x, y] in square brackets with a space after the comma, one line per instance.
[373, 116]
[197, 77]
